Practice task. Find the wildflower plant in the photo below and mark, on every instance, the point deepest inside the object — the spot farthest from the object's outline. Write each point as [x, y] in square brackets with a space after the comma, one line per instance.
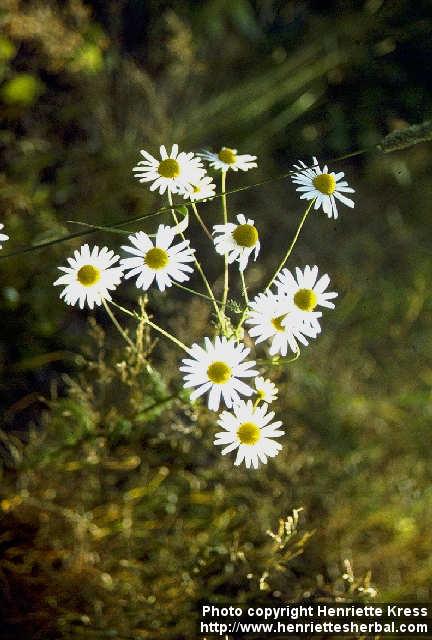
[279, 320]
[232, 366]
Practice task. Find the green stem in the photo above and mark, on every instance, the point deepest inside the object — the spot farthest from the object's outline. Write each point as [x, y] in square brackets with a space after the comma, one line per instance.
[246, 297]
[168, 335]
[245, 293]
[279, 362]
[199, 268]
[133, 314]
[377, 148]
[195, 293]
[291, 247]
[201, 222]
[118, 326]
[146, 321]
[256, 403]
[225, 221]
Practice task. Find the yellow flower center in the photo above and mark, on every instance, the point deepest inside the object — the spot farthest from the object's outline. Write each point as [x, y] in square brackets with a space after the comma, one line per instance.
[88, 275]
[219, 372]
[261, 394]
[306, 299]
[277, 323]
[169, 168]
[156, 258]
[196, 188]
[248, 433]
[245, 235]
[227, 155]
[325, 183]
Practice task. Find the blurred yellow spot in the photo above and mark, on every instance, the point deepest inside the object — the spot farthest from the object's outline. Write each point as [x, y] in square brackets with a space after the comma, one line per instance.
[88, 58]
[8, 505]
[22, 89]
[7, 49]
[73, 466]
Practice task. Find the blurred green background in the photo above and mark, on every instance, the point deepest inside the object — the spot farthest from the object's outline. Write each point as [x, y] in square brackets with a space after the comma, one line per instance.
[118, 516]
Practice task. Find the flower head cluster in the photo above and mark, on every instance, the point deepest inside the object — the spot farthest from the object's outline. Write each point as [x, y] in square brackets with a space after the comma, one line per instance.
[285, 315]
[288, 315]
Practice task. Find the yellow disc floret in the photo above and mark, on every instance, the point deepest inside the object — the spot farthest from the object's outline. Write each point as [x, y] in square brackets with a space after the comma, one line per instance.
[248, 433]
[277, 323]
[325, 183]
[219, 372]
[306, 299]
[227, 155]
[156, 258]
[245, 235]
[169, 168]
[88, 275]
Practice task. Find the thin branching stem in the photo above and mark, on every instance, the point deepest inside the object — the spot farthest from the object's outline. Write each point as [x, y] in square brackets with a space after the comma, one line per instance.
[225, 221]
[168, 335]
[118, 325]
[246, 298]
[277, 362]
[199, 268]
[292, 245]
[201, 221]
[132, 314]
[195, 293]
[147, 321]
[245, 292]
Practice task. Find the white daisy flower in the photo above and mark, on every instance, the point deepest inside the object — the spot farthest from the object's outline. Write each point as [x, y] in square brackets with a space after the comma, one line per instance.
[229, 159]
[3, 236]
[217, 368]
[306, 293]
[237, 241]
[90, 276]
[323, 186]
[173, 173]
[249, 430]
[201, 189]
[160, 260]
[266, 390]
[273, 318]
